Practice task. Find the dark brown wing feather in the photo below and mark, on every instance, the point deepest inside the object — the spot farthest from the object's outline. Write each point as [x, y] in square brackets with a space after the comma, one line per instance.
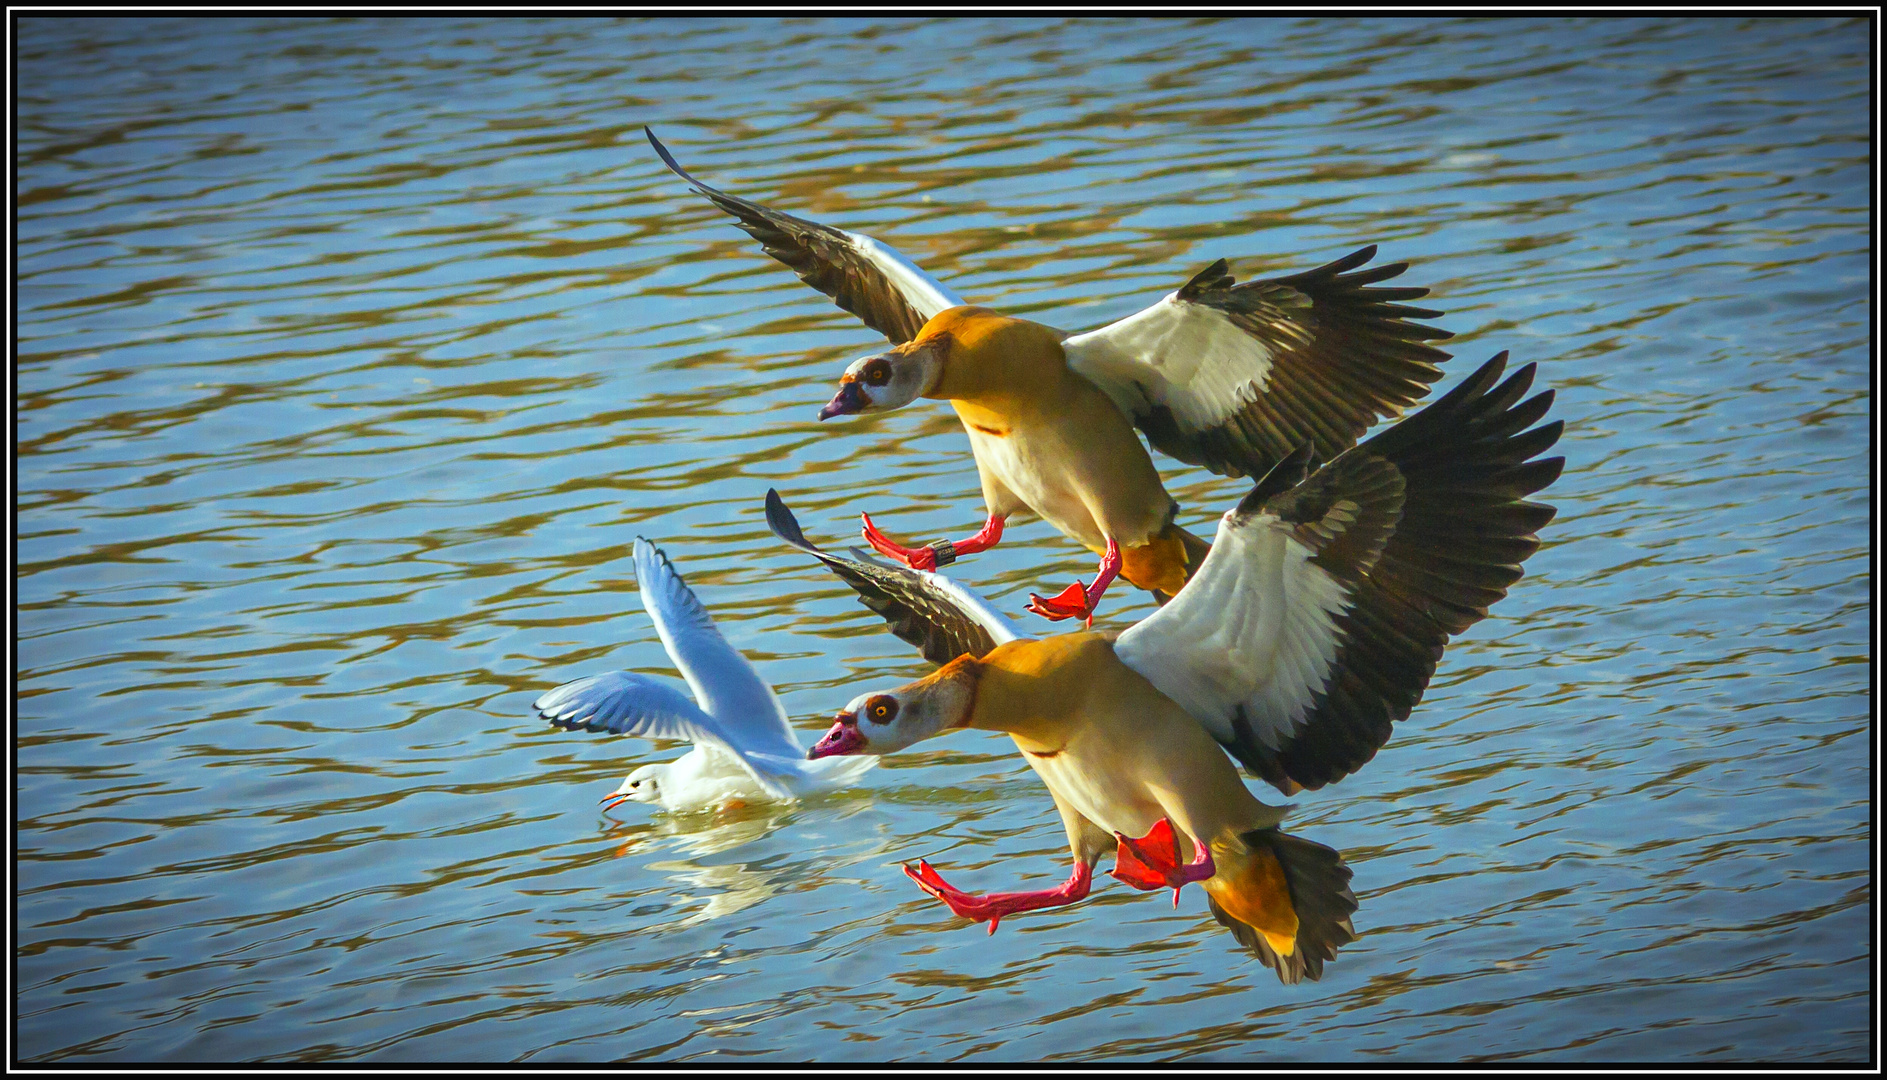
[822, 256]
[1464, 466]
[1344, 356]
[915, 608]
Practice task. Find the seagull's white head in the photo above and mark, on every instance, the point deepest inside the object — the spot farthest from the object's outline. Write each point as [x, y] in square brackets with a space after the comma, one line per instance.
[643, 785]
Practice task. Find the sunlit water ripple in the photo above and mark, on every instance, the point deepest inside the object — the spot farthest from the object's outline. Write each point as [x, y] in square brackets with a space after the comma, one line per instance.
[353, 355]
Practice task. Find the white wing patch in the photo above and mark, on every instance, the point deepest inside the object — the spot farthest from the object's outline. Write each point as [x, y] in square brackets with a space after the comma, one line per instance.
[924, 293]
[1255, 630]
[1188, 357]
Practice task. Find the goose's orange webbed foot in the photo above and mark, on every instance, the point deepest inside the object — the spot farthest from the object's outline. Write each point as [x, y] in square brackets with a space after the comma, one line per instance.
[940, 553]
[993, 906]
[1077, 601]
[1152, 862]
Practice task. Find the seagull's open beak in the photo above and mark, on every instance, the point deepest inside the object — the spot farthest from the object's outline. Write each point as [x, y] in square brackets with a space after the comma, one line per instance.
[848, 400]
[610, 800]
[844, 738]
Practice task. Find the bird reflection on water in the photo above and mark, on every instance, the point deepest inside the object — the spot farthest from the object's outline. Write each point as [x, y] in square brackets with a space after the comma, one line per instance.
[728, 854]
[729, 886]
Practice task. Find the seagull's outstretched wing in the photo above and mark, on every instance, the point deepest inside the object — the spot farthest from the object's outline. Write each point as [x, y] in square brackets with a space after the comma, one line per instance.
[942, 617]
[626, 703]
[1234, 377]
[726, 685]
[1318, 618]
[889, 292]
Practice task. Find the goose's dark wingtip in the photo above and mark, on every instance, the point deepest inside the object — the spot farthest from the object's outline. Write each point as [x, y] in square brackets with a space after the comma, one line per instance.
[784, 524]
[668, 159]
[1349, 262]
[1291, 470]
[1216, 276]
[1484, 376]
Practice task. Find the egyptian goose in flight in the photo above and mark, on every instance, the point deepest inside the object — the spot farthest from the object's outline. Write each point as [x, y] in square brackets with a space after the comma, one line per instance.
[745, 750]
[1314, 624]
[1231, 377]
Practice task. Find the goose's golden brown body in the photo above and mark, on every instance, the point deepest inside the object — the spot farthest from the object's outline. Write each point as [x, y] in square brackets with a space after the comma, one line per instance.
[1048, 441]
[1121, 759]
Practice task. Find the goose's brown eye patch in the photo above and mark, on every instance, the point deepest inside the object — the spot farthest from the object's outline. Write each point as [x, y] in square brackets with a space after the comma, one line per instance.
[877, 373]
[881, 710]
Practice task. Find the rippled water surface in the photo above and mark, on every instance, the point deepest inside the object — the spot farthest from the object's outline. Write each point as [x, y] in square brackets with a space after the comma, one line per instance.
[353, 355]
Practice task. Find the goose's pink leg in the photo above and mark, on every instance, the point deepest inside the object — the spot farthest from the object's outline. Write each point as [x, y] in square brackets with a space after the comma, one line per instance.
[1152, 862]
[1077, 601]
[993, 906]
[940, 553]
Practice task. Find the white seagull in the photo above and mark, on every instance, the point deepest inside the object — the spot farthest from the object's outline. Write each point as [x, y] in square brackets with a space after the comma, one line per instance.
[744, 747]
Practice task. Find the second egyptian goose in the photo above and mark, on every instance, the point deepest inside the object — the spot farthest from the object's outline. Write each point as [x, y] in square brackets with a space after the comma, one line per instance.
[1231, 377]
[1315, 622]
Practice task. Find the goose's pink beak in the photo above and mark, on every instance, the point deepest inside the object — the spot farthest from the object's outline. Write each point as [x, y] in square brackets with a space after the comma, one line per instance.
[848, 400]
[844, 738]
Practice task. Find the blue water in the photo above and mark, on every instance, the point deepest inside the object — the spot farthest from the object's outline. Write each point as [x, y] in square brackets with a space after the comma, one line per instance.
[353, 354]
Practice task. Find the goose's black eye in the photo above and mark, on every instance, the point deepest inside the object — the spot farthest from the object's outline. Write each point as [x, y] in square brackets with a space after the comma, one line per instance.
[877, 373]
[881, 709]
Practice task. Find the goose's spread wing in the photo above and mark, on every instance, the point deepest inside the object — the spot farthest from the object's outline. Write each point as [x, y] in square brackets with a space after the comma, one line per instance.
[1318, 618]
[626, 703]
[942, 617]
[726, 685]
[1234, 377]
[889, 292]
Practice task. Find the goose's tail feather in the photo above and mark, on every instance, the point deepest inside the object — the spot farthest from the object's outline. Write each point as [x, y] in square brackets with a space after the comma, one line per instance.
[1287, 899]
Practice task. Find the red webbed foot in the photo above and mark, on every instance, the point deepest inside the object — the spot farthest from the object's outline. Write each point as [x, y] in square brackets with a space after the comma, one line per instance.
[993, 906]
[1077, 601]
[1071, 603]
[1152, 862]
[933, 883]
[922, 558]
[931, 556]
[1142, 874]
